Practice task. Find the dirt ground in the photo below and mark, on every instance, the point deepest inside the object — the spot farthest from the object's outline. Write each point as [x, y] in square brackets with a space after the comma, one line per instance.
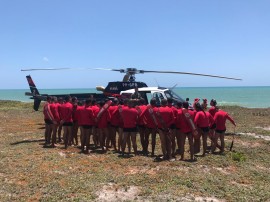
[29, 172]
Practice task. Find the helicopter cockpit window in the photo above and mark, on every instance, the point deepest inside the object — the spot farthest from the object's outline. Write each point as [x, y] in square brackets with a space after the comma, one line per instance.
[173, 95]
[158, 97]
[148, 96]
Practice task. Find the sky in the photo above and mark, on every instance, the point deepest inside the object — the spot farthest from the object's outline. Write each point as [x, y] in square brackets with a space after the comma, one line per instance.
[228, 38]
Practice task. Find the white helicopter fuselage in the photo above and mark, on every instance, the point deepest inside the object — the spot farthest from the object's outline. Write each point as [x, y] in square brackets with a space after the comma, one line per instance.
[158, 93]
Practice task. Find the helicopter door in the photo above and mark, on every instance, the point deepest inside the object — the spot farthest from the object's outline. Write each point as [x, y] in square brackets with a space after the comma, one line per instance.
[158, 97]
[148, 97]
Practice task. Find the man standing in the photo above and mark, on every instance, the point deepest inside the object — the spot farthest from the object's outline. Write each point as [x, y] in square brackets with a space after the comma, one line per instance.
[165, 119]
[184, 123]
[66, 120]
[150, 122]
[130, 119]
[220, 121]
[136, 95]
[49, 120]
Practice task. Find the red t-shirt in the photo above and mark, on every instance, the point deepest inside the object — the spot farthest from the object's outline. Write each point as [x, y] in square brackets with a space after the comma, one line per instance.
[47, 112]
[210, 118]
[212, 110]
[75, 113]
[201, 119]
[148, 117]
[60, 110]
[220, 119]
[175, 111]
[166, 116]
[130, 117]
[182, 123]
[104, 119]
[54, 110]
[66, 112]
[141, 110]
[115, 117]
[86, 116]
[79, 111]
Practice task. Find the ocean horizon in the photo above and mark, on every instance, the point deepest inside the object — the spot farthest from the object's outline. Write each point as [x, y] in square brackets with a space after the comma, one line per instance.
[247, 96]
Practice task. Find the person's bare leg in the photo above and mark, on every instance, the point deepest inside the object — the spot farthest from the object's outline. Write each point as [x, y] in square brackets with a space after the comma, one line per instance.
[124, 142]
[163, 143]
[134, 143]
[153, 141]
[173, 142]
[191, 146]
[182, 147]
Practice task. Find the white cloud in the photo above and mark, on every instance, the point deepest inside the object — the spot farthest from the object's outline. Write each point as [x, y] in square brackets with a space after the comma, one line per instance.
[45, 59]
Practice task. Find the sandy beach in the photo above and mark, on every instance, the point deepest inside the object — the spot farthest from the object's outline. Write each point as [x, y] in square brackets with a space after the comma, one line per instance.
[29, 172]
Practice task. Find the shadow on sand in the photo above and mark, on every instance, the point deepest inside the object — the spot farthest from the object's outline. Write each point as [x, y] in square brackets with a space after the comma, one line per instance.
[27, 141]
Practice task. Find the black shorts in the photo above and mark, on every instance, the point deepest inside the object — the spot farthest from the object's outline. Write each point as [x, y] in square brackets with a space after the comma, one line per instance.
[130, 129]
[141, 126]
[68, 124]
[87, 126]
[173, 126]
[164, 129]
[220, 131]
[213, 126]
[205, 129]
[48, 121]
[114, 126]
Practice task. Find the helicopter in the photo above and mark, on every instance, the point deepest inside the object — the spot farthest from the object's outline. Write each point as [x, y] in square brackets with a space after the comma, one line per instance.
[120, 89]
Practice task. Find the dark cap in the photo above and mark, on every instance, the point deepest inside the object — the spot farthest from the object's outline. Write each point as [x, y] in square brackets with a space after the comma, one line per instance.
[213, 101]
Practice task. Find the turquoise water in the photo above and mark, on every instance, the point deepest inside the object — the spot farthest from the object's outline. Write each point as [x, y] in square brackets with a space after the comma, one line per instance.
[251, 97]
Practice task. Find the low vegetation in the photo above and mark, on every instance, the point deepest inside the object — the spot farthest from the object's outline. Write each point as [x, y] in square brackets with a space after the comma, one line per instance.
[30, 172]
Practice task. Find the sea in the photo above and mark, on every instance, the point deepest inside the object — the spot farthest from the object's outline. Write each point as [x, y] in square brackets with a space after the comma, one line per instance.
[250, 97]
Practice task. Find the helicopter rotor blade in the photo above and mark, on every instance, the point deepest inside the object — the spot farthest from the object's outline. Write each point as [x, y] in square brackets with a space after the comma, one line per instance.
[117, 70]
[189, 73]
[44, 69]
[132, 71]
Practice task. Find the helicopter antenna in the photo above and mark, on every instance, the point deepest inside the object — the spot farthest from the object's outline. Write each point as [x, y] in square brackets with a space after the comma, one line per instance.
[173, 86]
[157, 82]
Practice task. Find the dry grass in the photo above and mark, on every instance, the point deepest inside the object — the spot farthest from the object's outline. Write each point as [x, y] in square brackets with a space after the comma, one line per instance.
[30, 172]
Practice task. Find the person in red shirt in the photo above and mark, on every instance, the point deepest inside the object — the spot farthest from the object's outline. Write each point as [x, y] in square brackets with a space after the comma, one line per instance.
[165, 119]
[66, 120]
[102, 125]
[130, 119]
[59, 131]
[174, 133]
[203, 120]
[150, 122]
[182, 123]
[204, 104]
[141, 126]
[213, 108]
[49, 120]
[122, 104]
[55, 113]
[220, 121]
[75, 127]
[114, 122]
[196, 100]
[95, 109]
[80, 108]
[86, 122]
[212, 111]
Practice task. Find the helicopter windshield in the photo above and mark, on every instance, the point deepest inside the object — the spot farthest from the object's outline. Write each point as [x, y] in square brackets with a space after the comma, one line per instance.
[173, 95]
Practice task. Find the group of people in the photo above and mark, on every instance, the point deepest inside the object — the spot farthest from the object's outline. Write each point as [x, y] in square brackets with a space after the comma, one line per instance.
[129, 117]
